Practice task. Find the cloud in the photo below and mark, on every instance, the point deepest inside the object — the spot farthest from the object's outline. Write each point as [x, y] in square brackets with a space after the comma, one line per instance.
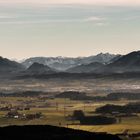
[93, 19]
[36, 20]
[97, 21]
[101, 24]
[44, 21]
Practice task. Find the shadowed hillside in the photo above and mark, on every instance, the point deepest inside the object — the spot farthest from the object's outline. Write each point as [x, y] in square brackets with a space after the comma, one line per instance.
[49, 133]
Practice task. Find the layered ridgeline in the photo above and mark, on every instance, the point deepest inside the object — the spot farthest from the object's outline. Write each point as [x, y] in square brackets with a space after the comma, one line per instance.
[37, 68]
[102, 63]
[119, 64]
[127, 63]
[8, 66]
[64, 63]
[86, 68]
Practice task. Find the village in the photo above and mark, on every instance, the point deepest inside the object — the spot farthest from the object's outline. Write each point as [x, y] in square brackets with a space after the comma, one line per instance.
[13, 112]
[94, 114]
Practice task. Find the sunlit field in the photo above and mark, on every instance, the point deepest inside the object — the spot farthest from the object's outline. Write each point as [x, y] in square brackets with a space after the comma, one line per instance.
[56, 112]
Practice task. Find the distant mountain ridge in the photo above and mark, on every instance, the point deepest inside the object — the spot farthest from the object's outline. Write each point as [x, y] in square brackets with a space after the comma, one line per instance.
[7, 65]
[119, 64]
[86, 68]
[126, 63]
[37, 68]
[64, 63]
[100, 64]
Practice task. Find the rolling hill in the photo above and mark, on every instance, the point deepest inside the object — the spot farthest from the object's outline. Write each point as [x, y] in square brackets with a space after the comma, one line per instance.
[37, 68]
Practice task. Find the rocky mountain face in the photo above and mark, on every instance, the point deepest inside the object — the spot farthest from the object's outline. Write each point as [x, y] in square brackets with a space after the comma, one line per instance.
[64, 63]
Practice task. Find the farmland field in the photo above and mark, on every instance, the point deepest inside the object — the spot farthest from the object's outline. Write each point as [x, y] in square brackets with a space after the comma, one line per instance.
[56, 115]
[59, 111]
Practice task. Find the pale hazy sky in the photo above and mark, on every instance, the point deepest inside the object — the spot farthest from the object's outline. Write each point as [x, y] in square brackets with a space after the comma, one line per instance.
[28, 30]
[127, 2]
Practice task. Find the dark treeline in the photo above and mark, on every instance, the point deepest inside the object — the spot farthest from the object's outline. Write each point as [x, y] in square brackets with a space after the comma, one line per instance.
[125, 95]
[75, 95]
[92, 120]
[129, 108]
[66, 75]
[22, 94]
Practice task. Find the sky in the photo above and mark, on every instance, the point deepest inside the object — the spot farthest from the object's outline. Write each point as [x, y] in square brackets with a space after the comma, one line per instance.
[126, 2]
[71, 28]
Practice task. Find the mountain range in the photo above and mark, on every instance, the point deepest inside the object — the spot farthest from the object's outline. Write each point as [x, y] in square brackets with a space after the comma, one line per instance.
[65, 63]
[101, 63]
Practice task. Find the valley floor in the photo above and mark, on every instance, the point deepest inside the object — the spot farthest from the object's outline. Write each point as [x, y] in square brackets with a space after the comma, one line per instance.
[58, 112]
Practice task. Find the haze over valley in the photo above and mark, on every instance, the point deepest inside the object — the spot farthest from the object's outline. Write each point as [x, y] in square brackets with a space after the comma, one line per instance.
[70, 69]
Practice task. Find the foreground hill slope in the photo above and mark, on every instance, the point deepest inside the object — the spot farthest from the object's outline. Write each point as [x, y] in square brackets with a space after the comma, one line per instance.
[50, 133]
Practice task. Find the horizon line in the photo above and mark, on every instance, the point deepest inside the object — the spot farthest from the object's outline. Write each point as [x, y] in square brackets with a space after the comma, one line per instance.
[59, 56]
